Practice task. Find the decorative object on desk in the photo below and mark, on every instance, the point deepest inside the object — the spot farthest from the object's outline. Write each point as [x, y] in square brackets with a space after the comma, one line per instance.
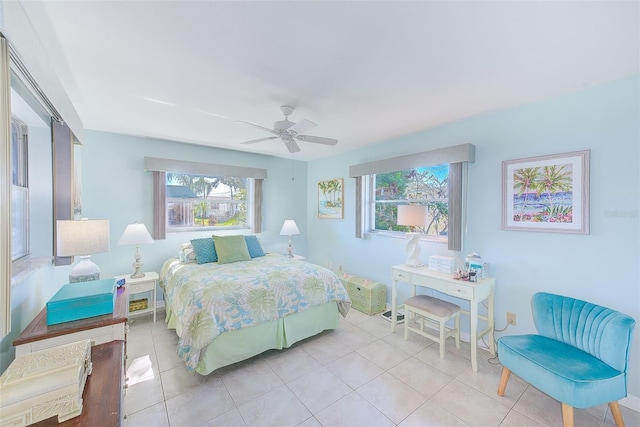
[82, 237]
[76, 301]
[413, 216]
[443, 264]
[330, 199]
[474, 263]
[547, 193]
[135, 235]
[289, 228]
[45, 384]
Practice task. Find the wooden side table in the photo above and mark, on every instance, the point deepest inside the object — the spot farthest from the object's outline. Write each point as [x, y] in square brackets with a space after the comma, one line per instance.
[147, 283]
[99, 329]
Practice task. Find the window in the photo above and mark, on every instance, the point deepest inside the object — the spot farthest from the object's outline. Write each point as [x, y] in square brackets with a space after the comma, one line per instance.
[427, 186]
[383, 185]
[19, 190]
[207, 202]
[190, 196]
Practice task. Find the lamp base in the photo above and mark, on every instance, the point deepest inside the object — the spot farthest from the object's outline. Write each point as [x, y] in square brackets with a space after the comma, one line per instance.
[137, 265]
[413, 250]
[84, 271]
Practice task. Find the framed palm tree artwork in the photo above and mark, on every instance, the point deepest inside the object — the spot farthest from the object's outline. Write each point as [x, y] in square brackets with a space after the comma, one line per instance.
[331, 199]
[547, 193]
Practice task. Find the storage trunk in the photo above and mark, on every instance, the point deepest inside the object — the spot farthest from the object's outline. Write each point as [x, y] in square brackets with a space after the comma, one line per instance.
[366, 295]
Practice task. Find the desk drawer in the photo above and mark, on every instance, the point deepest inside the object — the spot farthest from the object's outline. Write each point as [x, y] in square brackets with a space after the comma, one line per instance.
[462, 290]
[403, 276]
[430, 282]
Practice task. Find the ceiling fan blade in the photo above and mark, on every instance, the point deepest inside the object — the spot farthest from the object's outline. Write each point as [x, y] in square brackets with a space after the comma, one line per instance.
[253, 141]
[291, 146]
[302, 126]
[317, 139]
[257, 126]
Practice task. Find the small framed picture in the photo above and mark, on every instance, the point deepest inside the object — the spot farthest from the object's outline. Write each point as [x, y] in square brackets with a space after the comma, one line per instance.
[547, 193]
[331, 199]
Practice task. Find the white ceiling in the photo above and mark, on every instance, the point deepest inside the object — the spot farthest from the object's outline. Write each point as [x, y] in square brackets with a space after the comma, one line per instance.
[363, 71]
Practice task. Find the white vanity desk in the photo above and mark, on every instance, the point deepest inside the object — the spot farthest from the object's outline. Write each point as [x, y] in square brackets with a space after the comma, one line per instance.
[474, 292]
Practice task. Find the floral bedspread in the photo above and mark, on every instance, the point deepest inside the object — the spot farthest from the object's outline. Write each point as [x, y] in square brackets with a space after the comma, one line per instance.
[209, 299]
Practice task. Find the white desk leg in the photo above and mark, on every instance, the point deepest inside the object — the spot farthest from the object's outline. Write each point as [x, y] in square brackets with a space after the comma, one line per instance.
[394, 308]
[492, 326]
[473, 305]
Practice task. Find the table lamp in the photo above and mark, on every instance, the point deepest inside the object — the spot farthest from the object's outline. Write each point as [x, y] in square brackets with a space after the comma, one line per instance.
[289, 228]
[82, 238]
[413, 216]
[135, 235]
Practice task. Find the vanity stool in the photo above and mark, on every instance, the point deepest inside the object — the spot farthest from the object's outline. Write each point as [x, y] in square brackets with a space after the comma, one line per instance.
[426, 308]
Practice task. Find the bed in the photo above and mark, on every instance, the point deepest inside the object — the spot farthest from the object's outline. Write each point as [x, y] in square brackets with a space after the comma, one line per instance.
[227, 312]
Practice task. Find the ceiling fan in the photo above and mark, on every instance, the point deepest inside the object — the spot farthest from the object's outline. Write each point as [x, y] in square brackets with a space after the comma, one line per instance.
[289, 131]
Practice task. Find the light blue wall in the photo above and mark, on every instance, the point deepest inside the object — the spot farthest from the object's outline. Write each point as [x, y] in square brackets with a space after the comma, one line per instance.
[602, 267]
[116, 187]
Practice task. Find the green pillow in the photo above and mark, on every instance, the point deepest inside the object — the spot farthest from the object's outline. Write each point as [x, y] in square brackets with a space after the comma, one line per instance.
[231, 249]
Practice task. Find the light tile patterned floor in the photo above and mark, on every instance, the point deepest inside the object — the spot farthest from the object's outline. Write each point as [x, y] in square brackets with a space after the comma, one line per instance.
[358, 375]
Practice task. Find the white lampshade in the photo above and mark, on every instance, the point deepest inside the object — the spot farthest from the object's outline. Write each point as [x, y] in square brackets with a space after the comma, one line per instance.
[412, 215]
[289, 228]
[135, 235]
[82, 237]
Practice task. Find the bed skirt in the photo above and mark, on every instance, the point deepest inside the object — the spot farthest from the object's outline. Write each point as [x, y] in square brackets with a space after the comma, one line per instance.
[235, 346]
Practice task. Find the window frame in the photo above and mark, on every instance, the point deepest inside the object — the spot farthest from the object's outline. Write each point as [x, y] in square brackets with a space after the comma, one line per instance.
[20, 184]
[370, 203]
[249, 202]
[457, 157]
[159, 167]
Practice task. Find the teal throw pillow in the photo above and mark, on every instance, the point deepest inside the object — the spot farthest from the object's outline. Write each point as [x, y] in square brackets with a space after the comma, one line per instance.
[254, 247]
[205, 250]
[231, 249]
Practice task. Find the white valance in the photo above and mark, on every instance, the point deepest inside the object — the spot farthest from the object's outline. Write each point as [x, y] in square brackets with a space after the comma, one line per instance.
[198, 168]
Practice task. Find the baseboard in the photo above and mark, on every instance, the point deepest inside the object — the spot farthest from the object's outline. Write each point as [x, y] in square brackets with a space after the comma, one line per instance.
[631, 402]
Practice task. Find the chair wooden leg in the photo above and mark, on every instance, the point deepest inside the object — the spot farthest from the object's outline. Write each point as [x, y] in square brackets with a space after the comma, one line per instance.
[617, 415]
[504, 379]
[567, 415]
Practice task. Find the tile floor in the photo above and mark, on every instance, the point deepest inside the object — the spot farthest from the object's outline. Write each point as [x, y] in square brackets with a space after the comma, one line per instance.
[358, 375]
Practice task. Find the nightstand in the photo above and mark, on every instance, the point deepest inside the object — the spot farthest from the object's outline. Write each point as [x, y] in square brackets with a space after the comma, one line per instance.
[143, 284]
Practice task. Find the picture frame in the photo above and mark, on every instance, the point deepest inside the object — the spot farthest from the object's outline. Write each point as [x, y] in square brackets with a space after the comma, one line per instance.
[547, 193]
[331, 199]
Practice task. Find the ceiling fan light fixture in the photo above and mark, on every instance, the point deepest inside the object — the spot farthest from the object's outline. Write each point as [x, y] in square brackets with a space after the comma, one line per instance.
[287, 110]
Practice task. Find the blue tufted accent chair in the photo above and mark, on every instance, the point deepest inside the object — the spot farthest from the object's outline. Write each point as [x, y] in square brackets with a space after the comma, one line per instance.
[579, 357]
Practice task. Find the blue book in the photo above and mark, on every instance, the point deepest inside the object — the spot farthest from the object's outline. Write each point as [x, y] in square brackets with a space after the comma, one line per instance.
[75, 301]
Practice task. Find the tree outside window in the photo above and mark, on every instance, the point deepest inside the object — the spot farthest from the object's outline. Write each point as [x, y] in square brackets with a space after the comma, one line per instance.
[426, 186]
[195, 201]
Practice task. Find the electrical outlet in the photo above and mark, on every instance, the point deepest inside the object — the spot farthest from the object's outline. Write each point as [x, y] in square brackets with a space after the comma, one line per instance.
[511, 318]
